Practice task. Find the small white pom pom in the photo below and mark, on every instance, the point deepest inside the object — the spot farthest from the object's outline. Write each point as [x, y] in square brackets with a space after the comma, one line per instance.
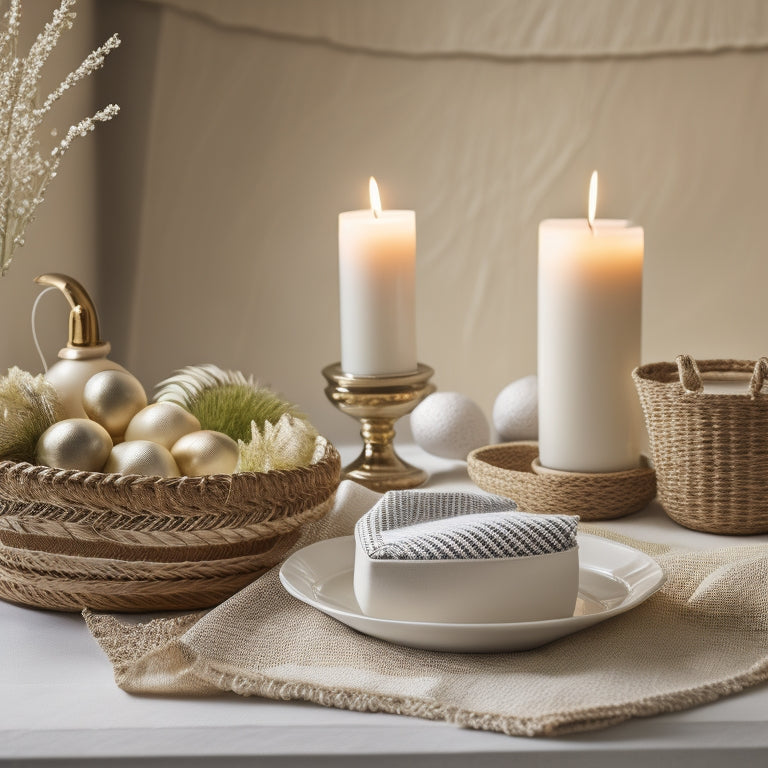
[450, 425]
[516, 410]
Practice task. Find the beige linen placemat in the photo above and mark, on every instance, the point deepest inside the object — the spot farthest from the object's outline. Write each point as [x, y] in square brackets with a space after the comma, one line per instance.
[703, 636]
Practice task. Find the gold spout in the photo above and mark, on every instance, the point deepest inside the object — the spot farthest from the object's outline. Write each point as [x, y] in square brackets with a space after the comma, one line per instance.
[83, 320]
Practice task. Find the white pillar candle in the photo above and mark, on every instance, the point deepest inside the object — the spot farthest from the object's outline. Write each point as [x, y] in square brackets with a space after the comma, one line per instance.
[589, 335]
[377, 261]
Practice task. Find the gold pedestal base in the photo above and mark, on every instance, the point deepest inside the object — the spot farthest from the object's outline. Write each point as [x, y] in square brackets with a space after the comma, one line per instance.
[377, 402]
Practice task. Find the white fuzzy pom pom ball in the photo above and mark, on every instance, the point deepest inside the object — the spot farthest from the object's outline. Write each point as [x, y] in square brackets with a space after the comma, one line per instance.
[516, 410]
[450, 425]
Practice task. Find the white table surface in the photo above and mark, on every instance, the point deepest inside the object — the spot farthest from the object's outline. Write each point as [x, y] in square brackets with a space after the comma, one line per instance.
[59, 705]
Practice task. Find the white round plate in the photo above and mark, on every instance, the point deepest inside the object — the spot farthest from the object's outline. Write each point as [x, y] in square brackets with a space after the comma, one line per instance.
[612, 579]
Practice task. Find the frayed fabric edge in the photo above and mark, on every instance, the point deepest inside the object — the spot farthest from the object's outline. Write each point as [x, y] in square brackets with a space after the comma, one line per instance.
[556, 724]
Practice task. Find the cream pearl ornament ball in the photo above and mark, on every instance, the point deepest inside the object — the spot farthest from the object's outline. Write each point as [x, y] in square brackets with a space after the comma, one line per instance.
[450, 425]
[162, 423]
[516, 410]
[141, 457]
[205, 452]
[74, 444]
[113, 398]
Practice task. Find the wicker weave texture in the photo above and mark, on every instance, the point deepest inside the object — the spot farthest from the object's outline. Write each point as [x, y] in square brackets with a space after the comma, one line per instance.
[506, 470]
[70, 540]
[710, 450]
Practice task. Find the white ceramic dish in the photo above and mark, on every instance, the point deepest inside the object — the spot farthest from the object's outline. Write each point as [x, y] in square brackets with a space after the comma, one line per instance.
[613, 578]
[533, 588]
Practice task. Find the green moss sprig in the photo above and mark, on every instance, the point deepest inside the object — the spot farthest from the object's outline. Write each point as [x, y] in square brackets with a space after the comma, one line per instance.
[224, 401]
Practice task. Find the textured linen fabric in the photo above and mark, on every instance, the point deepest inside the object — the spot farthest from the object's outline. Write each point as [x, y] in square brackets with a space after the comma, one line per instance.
[539, 29]
[427, 525]
[704, 635]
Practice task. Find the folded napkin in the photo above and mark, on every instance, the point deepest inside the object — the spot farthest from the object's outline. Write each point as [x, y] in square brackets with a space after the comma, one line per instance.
[423, 525]
[704, 635]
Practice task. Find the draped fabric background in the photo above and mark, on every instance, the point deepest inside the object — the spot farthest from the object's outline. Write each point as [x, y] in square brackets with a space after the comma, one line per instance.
[208, 226]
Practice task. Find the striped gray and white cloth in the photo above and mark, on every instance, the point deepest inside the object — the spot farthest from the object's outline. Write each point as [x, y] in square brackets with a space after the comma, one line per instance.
[422, 525]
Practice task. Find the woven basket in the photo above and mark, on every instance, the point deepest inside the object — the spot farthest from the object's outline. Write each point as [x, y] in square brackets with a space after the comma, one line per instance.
[710, 450]
[71, 540]
[507, 470]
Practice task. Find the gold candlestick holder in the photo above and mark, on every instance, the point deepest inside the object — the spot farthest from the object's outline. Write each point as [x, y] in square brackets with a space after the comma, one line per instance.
[377, 402]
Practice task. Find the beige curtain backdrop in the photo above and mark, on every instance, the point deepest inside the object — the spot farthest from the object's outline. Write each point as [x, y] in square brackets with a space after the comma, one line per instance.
[209, 228]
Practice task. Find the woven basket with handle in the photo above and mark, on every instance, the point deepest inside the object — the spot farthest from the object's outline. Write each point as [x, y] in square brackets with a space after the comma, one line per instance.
[710, 449]
[71, 540]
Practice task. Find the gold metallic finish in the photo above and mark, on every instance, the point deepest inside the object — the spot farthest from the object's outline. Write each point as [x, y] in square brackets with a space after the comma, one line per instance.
[113, 398]
[83, 320]
[205, 452]
[162, 423]
[74, 444]
[377, 402]
[141, 457]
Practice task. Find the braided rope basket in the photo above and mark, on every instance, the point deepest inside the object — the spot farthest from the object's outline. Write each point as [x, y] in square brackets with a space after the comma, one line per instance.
[511, 469]
[71, 540]
[710, 449]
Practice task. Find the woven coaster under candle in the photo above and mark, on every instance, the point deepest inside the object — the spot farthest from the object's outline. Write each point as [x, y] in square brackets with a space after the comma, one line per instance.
[71, 539]
[507, 470]
[710, 450]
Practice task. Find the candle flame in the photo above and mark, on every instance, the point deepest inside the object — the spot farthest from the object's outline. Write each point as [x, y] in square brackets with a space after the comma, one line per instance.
[592, 201]
[373, 189]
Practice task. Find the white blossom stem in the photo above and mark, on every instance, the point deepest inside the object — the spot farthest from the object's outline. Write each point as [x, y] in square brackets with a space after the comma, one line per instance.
[24, 172]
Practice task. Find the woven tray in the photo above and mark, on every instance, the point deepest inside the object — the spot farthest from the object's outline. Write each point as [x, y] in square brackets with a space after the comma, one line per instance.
[710, 450]
[71, 540]
[507, 470]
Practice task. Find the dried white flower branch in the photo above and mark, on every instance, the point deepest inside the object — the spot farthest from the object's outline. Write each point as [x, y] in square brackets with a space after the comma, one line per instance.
[24, 173]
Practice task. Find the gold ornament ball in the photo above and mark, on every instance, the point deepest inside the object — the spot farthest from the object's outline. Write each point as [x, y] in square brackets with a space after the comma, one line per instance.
[205, 452]
[113, 398]
[162, 423]
[141, 457]
[74, 444]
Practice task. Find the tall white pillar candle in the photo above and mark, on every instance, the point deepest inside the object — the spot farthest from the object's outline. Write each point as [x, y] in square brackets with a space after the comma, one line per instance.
[377, 260]
[589, 334]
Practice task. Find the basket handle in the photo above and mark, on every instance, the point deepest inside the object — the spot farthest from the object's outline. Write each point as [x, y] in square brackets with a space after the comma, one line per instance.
[759, 376]
[690, 378]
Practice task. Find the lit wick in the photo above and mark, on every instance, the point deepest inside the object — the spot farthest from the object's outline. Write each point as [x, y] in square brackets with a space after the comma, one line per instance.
[373, 190]
[592, 202]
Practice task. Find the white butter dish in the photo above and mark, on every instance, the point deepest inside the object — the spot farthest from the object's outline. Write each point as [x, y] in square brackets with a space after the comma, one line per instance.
[463, 558]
